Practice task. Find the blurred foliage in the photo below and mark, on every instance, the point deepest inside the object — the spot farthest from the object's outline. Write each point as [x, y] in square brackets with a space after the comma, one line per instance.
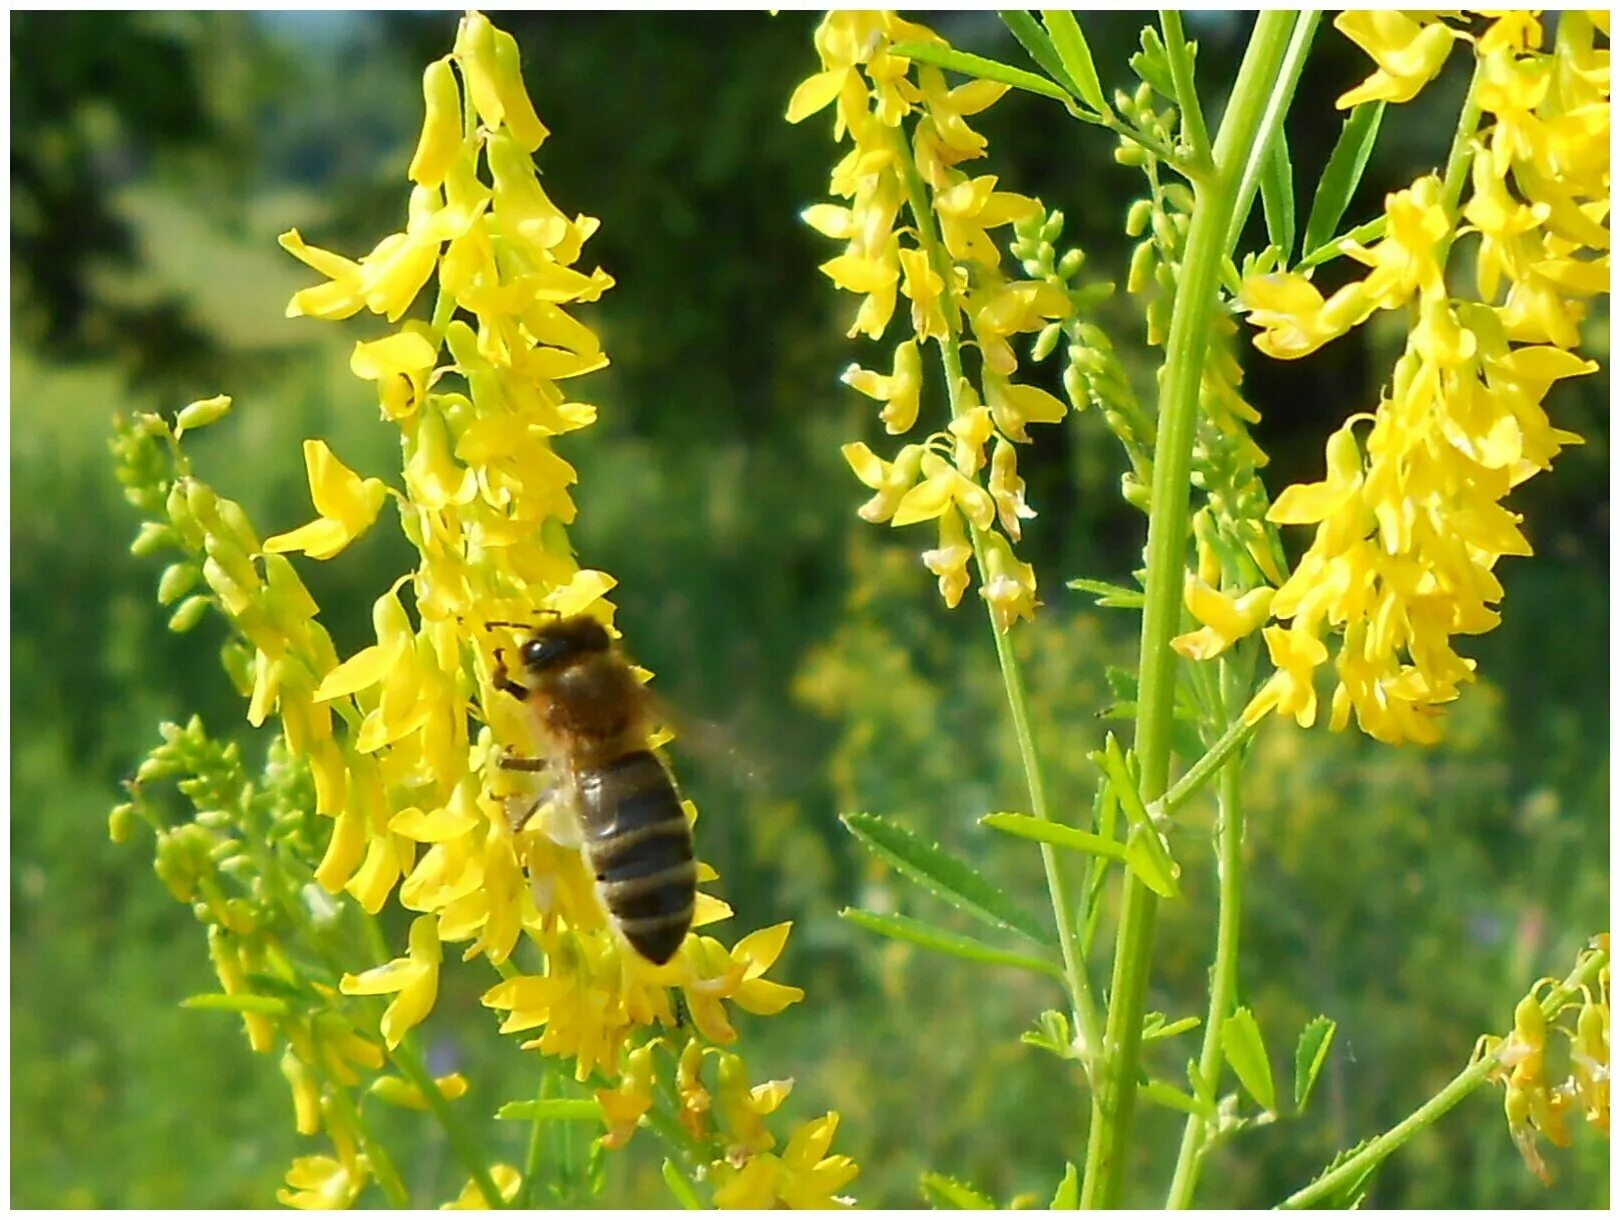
[1410, 895]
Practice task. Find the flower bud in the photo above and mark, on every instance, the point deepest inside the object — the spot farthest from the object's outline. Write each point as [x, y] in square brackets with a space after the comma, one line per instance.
[200, 414]
[189, 614]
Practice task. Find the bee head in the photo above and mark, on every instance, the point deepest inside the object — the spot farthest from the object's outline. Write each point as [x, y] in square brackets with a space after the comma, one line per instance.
[563, 642]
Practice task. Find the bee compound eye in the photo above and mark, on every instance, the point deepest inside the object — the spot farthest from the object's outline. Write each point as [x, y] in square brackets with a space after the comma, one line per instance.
[542, 653]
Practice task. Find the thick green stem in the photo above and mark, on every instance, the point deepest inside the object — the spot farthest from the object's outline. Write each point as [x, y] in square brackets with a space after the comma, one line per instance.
[1114, 1094]
[1464, 1083]
[1222, 984]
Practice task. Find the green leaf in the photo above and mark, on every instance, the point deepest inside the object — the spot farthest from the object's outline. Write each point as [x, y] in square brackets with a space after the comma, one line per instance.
[1034, 39]
[943, 1192]
[1350, 1196]
[1051, 1033]
[931, 867]
[979, 66]
[915, 932]
[1245, 1050]
[1343, 173]
[680, 1187]
[1067, 1198]
[1154, 1028]
[1145, 855]
[1310, 1056]
[1169, 1096]
[1110, 595]
[215, 1001]
[1076, 55]
[1328, 251]
[552, 1109]
[1026, 827]
[1277, 194]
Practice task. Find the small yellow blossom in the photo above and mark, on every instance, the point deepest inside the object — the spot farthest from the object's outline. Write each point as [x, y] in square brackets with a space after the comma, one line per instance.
[347, 505]
[1409, 53]
[413, 980]
[949, 560]
[1296, 654]
[900, 391]
[1226, 619]
[507, 1181]
[804, 1176]
[320, 1183]
[624, 1106]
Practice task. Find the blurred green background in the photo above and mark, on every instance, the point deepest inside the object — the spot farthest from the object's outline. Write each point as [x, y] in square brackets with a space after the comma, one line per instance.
[1412, 895]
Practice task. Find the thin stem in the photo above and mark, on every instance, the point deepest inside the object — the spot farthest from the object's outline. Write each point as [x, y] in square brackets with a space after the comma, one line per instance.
[1086, 1017]
[1181, 74]
[406, 1058]
[1222, 987]
[1464, 1083]
[1461, 156]
[1114, 1094]
[381, 1163]
[536, 1150]
[1190, 784]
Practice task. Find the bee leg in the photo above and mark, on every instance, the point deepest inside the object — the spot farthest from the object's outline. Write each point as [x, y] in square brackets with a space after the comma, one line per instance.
[517, 762]
[681, 1011]
[503, 680]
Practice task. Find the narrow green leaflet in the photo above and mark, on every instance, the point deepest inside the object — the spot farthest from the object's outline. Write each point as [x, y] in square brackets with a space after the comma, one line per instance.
[979, 66]
[680, 1187]
[948, 1193]
[1109, 595]
[1310, 1056]
[1067, 1198]
[914, 931]
[1076, 55]
[941, 873]
[1245, 1050]
[1034, 39]
[1051, 1033]
[1154, 1028]
[1172, 1098]
[1027, 827]
[1343, 173]
[1146, 857]
[552, 1109]
[1277, 194]
[1330, 250]
[215, 1001]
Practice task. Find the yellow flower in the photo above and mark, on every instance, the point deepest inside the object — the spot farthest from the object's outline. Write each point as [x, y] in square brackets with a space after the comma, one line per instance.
[1409, 53]
[320, 1183]
[1009, 583]
[507, 1181]
[624, 1106]
[972, 206]
[942, 486]
[1007, 489]
[1296, 654]
[804, 1176]
[891, 480]
[949, 560]
[347, 505]
[901, 390]
[1226, 619]
[412, 980]
[736, 975]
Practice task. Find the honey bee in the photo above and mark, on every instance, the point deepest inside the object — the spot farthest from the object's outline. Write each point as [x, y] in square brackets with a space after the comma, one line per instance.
[596, 718]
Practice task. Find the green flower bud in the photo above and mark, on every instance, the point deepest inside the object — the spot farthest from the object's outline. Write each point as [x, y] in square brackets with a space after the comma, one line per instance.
[189, 614]
[1137, 217]
[1071, 262]
[1047, 340]
[1130, 153]
[1144, 259]
[152, 538]
[200, 414]
[121, 823]
[1135, 493]
[177, 580]
[1053, 228]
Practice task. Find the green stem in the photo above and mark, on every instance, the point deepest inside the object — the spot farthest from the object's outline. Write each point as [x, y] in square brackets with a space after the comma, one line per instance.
[1464, 1083]
[536, 1150]
[382, 1164]
[1086, 1017]
[1222, 987]
[1190, 784]
[1114, 1094]
[1181, 74]
[409, 1062]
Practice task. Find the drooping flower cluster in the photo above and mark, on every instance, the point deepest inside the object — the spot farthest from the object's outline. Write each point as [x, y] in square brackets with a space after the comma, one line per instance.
[1538, 1104]
[403, 740]
[909, 137]
[1409, 520]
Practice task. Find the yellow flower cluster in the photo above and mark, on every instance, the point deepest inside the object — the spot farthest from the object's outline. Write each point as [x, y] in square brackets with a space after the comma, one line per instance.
[1534, 1105]
[1409, 521]
[405, 737]
[909, 135]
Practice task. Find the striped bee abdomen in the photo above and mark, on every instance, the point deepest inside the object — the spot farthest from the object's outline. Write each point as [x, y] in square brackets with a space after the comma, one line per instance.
[639, 845]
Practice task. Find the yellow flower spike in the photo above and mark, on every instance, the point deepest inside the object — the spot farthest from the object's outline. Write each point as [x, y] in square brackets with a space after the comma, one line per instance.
[347, 505]
[1226, 619]
[1409, 54]
[507, 1181]
[1291, 690]
[1009, 584]
[900, 391]
[320, 1183]
[949, 560]
[413, 980]
[440, 140]
[1007, 489]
